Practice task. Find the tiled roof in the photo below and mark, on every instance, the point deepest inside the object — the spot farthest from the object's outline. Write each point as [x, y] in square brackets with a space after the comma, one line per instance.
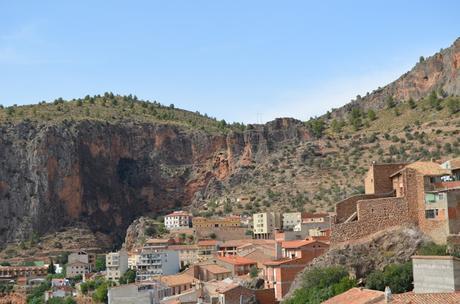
[297, 243]
[175, 279]
[183, 247]
[357, 296]
[454, 163]
[427, 168]
[236, 260]
[280, 261]
[424, 298]
[158, 241]
[314, 215]
[207, 243]
[216, 269]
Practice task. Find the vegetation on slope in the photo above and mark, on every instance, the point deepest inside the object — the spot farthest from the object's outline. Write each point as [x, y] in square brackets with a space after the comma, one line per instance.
[113, 108]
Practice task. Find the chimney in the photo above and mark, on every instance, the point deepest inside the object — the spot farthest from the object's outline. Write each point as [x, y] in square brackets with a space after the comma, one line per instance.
[388, 295]
[278, 251]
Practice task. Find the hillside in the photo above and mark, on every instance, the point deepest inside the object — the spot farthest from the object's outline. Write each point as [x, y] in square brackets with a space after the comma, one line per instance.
[100, 162]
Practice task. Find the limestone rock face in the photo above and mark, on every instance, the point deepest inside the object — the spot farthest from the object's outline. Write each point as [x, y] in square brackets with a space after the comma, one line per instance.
[438, 72]
[57, 174]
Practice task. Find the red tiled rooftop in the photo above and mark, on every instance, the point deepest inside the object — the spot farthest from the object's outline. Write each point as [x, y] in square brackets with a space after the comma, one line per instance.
[207, 243]
[297, 243]
[236, 260]
[424, 298]
[216, 269]
[357, 296]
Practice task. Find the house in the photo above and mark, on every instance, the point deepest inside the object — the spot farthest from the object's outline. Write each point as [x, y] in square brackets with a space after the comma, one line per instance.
[216, 222]
[116, 264]
[148, 292]
[208, 271]
[229, 291]
[206, 249]
[238, 265]
[265, 224]
[178, 220]
[291, 258]
[291, 220]
[156, 259]
[79, 263]
[188, 254]
[178, 283]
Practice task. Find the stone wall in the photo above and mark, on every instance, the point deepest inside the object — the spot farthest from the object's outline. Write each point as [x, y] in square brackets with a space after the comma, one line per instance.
[347, 207]
[373, 215]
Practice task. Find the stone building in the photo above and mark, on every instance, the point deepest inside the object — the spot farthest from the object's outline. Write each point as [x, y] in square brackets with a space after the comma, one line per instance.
[423, 194]
[218, 222]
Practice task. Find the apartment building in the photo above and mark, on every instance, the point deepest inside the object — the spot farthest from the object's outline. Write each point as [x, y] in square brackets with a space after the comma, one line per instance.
[265, 223]
[154, 260]
[291, 220]
[218, 222]
[188, 254]
[116, 264]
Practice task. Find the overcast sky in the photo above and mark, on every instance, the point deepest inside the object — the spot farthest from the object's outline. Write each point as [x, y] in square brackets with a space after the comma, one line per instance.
[247, 61]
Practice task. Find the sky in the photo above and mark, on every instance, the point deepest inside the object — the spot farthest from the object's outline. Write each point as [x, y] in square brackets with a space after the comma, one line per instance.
[246, 61]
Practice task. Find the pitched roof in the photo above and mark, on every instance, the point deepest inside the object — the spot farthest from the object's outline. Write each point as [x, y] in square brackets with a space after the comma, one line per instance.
[175, 279]
[357, 296]
[207, 243]
[183, 247]
[216, 269]
[297, 243]
[314, 215]
[454, 163]
[423, 298]
[426, 168]
[236, 260]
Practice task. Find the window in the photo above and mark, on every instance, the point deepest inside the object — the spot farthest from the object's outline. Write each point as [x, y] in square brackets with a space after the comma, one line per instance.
[431, 214]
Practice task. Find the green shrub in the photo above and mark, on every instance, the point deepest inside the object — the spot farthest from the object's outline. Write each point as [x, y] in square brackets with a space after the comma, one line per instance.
[397, 276]
[320, 284]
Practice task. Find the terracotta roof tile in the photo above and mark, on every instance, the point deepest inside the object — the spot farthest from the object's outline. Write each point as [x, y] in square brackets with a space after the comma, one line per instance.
[427, 168]
[357, 296]
[298, 243]
[215, 269]
[423, 298]
[176, 279]
[236, 260]
[207, 243]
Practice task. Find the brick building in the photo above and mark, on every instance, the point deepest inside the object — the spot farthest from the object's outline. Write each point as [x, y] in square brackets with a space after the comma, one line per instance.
[203, 222]
[292, 257]
[238, 265]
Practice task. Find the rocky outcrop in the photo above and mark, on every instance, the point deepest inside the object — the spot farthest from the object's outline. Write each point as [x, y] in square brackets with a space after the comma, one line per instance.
[53, 175]
[395, 245]
[440, 72]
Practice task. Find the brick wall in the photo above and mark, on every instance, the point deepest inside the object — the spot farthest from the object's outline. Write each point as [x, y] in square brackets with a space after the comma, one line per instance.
[373, 215]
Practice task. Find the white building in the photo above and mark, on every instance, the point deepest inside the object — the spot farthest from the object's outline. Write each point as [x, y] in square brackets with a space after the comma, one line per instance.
[291, 220]
[116, 264]
[151, 292]
[154, 260]
[177, 220]
[265, 223]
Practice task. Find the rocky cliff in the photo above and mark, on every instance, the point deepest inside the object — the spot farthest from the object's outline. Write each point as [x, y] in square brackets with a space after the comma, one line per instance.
[59, 174]
[439, 73]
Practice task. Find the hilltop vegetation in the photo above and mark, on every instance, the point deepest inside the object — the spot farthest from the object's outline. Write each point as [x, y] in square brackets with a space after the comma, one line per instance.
[113, 108]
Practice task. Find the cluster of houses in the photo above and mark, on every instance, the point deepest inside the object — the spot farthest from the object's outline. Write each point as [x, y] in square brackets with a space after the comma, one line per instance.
[210, 270]
[222, 263]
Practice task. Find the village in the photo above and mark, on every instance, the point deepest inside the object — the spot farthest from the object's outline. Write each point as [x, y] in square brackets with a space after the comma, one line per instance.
[237, 259]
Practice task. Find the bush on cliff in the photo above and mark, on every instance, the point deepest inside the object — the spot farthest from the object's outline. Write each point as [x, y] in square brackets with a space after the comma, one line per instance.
[320, 284]
[397, 276]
